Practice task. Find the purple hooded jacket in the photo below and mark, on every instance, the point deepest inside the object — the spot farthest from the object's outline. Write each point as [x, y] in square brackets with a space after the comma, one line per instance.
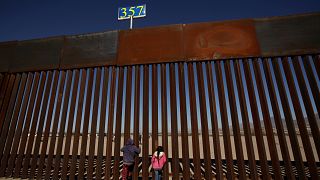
[129, 152]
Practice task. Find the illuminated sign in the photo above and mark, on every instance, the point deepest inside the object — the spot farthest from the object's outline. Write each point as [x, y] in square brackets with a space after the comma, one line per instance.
[134, 11]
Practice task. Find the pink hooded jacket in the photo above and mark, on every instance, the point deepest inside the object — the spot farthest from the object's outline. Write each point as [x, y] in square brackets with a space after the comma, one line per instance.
[157, 165]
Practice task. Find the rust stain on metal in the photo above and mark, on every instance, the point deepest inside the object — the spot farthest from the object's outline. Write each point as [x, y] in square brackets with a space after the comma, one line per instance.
[150, 45]
[220, 40]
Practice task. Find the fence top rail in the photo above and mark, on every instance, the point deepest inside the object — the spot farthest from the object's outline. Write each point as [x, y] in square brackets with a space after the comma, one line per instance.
[244, 38]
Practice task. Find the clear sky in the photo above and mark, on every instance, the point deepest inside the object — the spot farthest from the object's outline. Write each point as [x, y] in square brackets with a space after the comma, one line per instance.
[31, 19]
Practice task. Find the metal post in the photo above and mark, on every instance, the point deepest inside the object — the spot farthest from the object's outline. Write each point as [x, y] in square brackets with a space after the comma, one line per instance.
[131, 22]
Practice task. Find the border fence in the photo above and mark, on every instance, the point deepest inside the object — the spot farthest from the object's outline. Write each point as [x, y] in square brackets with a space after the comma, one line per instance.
[240, 112]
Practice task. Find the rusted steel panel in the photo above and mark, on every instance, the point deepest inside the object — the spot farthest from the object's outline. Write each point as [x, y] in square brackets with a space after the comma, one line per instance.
[289, 35]
[39, 54]
[235, 121]
[289, 120]
[66, 96]
[76, 135]
[6, 145]
[93, 132]
[54, 127]
[26, 127]
[110, 124]
[245, 121]
[164, 114]
[145, 125]
[256, 122]
[39, 132]
[136, 133]
[32, 132]
[277, 119]
[7, 51]
[17, 134]
[194, 123]
[174, 125]
[184, 123]
[89, 50]
[128, 104]
[300, 120]
[70, 120]
[225, 125]
[204, 122]
[312, 81]
[220, 40]
[307, 103]
[150, 45]
[99, 171]
[40, 161]
[117, 138]
[214, 122]
[267, 120]
[86, 118]
[6, 99]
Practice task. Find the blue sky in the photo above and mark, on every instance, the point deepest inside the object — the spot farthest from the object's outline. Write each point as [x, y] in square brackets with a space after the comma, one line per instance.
[31, 19]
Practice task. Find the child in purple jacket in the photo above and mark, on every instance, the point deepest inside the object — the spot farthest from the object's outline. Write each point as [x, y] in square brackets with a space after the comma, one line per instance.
[130, 151]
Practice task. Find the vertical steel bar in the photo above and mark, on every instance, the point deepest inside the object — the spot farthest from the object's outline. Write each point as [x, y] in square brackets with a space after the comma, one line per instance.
[70, 120]
[136, 133]
[25, 132]
[93, 132]
[204, 122]
[39, 132]
[307, 103]
[6, 145]
[13, 106]
[76, 135]
[145, 126]
[86, 118]
[99, 172]
[35, 115]
[194, 123]
[316, 62]
[184, 124]
[110, 125]
[66, 95]
[312, 81]
[4, 86]
[117, 139]
[154, 108]
[6, 100]
[225, 125]
[289, 121]
[300, 119]
[235, 121]
[267, 121]
[174, 128]
[214, 123]
[49, 119]
[54, 127]
[256, 121]
[128, 104]
[278, 122]
[164, 114]
[245, 121]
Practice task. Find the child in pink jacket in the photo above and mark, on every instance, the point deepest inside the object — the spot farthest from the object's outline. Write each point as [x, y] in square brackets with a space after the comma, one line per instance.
[158, 160]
